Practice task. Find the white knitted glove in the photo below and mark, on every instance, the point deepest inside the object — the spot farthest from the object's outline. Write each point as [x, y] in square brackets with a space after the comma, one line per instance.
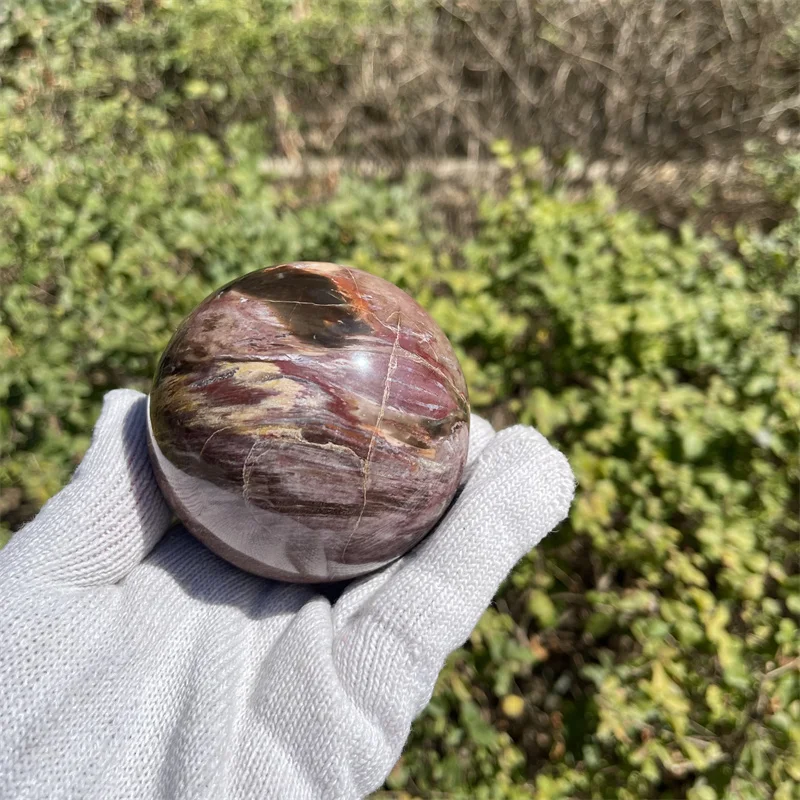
[135, 664]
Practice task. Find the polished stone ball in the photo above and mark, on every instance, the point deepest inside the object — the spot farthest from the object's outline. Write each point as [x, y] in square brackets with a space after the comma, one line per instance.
[309, 422]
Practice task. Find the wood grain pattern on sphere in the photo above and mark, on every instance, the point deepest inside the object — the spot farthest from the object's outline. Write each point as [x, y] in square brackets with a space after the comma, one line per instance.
[309, 422]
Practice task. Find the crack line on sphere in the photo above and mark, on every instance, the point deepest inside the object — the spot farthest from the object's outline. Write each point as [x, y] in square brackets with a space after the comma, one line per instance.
[386, 389]
[305, 303]
[438, 367]
[219, 430]
[246, 474]
[249, 507]
[355, 283]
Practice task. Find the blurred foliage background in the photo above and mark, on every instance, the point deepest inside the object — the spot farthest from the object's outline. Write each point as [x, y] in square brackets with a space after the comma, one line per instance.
[599, 203]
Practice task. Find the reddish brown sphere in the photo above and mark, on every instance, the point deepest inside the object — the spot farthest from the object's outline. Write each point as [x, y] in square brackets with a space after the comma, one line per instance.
[309, 422]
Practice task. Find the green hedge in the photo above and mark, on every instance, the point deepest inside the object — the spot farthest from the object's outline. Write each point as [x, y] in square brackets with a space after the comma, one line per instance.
[649, 648]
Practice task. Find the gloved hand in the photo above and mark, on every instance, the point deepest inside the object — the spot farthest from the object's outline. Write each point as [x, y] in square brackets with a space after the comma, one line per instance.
[135, 663]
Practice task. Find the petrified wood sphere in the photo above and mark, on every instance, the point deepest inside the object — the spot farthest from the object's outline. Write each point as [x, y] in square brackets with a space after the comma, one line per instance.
[309, 422]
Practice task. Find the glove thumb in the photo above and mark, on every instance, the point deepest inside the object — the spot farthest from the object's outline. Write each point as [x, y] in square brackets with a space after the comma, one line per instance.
[110, 515]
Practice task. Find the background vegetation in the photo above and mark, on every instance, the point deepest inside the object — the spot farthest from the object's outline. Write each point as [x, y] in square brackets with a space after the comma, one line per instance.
[650, 648]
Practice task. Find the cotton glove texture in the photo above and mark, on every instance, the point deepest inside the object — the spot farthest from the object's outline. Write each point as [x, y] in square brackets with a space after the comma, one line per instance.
[134, 663]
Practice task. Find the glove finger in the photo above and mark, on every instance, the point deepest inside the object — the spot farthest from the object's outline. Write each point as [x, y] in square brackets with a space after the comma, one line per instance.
[480, 434]
[108, 517]
[393, 647]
